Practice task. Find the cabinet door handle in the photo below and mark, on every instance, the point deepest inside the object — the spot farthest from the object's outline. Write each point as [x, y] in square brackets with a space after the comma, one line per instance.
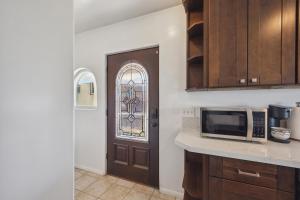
[254, 80]
[257, 175]
[243, 81]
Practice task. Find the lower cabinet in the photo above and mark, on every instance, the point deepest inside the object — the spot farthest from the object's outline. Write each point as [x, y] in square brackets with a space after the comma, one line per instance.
[195, 180]
[298, 184]
[223, 189]
[216, 178]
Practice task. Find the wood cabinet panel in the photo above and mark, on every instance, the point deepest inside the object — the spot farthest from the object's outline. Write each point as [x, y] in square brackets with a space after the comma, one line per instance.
[218, 178]
[298, 48]
[286, 179]
[193, 176]
[264, 64]
[215, 188]
[285, 196]
[227, 43]
[271, 40]
[216, 166]
[232, 190]
[244, 43]
[270, 176]
[298, 184]
[195, 181]
[222, 189]
[250, 172]
[288, 41]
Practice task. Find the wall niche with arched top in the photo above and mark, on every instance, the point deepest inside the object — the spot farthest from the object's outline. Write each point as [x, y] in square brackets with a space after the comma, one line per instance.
[85, 89]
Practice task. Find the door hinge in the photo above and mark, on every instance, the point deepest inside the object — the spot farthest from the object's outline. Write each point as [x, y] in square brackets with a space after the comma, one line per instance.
[106, 112]
[106, 156]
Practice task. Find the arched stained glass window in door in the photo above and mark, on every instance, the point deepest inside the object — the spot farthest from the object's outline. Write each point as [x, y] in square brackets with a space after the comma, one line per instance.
[132, 103]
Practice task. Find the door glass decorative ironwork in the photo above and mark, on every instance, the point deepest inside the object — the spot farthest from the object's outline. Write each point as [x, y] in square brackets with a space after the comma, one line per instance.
[132, 103]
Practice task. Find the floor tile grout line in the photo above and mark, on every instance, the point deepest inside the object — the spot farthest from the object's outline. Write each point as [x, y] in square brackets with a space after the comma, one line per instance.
[97, 179]
[106, 190]
[88, 185]
[113, 183]
[126, 194]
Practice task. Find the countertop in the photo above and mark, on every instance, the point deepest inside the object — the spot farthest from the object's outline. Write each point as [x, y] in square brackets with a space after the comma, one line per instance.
[271, 153]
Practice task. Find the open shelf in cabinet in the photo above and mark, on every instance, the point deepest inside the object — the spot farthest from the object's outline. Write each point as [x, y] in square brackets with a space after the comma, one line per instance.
[197, 59]
[196, 72]
[196, 29]
[195, 46]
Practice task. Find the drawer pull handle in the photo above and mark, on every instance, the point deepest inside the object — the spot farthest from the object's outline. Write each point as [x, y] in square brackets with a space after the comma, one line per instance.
[257, 175]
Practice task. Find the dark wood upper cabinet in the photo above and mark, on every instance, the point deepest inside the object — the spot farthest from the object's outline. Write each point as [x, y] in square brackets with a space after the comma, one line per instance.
[298, 47]
[289, 35]
[227, 43]
[271, 42]
[243, 43]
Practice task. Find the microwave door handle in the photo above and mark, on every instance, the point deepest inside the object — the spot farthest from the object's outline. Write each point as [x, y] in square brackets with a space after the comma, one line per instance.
[250, 124]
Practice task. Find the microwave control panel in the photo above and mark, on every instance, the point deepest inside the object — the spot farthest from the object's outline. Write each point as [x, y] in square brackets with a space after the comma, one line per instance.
[259, 124]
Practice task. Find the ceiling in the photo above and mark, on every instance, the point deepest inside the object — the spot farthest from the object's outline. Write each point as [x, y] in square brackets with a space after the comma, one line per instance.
[90, 14]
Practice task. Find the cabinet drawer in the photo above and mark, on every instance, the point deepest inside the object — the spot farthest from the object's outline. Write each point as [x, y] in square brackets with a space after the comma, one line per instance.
[221, 189]
[250, 172]
[259, 174]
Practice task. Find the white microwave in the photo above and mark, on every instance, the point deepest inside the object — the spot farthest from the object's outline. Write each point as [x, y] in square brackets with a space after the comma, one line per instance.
[247, 124]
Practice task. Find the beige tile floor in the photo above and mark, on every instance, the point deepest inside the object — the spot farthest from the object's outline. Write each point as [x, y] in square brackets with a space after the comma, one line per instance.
[90, 186]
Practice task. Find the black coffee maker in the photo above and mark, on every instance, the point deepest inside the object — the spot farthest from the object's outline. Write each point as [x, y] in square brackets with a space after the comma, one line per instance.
[278, 116]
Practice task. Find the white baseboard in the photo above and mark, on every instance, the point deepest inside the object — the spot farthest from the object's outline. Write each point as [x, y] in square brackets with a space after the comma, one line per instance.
[171, 192]
[96, 171]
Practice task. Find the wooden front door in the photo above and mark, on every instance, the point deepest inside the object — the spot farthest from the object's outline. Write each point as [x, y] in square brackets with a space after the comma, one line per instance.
[132, 115]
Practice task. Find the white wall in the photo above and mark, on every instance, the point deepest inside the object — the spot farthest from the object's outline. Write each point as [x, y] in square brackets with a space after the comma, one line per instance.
[36, 61]
[168, 29]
